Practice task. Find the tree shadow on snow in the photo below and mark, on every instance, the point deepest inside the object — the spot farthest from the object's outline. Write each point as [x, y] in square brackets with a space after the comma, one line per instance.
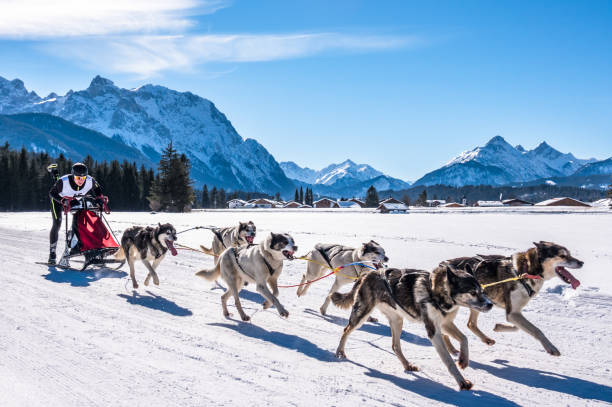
[284, 340]
[547, 380]
[375, 328]
[425, 387]
[81, 278]
[156, 302]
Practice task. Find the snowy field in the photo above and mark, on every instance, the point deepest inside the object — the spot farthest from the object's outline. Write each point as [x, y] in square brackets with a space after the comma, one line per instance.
[88, 339]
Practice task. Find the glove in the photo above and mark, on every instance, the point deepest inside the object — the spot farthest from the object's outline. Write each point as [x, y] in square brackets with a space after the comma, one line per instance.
[103, 202]
[66, 204]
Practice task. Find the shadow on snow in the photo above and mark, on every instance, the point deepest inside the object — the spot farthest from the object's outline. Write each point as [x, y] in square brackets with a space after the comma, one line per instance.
[541, 379]
[375, 328]
[81, 278]
[284, 340]
[156, 302]
[417, 384]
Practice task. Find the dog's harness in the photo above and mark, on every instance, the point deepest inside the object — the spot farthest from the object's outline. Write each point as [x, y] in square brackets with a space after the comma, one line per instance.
[328, 260]
[520, 277]
[270, 269]
[390, 289]
[218, 234]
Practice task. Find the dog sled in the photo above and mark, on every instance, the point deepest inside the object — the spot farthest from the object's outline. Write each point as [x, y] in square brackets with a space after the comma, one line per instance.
[90, 241]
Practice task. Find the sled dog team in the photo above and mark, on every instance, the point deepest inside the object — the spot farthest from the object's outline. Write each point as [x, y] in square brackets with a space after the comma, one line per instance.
[430, 298]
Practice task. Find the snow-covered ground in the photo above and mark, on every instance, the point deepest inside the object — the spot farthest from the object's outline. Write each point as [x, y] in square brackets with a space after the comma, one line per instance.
[81, 339]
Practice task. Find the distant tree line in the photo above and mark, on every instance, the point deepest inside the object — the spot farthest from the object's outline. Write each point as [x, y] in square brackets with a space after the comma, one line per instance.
[535, 193]
[25, 182]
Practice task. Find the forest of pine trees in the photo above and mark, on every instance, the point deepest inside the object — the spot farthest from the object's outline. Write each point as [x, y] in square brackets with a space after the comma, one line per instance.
[25, 182]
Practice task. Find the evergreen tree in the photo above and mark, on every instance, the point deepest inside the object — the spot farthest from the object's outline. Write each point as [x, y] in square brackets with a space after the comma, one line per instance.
[422, 199]
[406, 199]
[297, 196]
[301, 200]
[173, 190]
[372, 200]
[277, 197]
[205, 197]
[213, 198]
[222, 200]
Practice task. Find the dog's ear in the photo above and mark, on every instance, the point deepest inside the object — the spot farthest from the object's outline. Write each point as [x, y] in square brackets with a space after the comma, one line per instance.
[440, 285]
[159, 224]
[468, 269]
[450, 274]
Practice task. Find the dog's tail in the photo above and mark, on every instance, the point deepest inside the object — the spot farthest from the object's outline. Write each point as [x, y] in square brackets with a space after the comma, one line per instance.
[207, 250]
[120, 255]
[346, 300]
[210, 275]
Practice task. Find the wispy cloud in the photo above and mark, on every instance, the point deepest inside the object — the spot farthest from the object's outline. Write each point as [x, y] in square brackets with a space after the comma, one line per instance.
[147, 56]
[147, 37]
[34, 19]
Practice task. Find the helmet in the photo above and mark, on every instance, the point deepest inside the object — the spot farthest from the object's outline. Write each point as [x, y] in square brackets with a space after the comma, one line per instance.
[79, 170]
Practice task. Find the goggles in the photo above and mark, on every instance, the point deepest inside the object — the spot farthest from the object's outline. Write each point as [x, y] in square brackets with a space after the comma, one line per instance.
[80, 177]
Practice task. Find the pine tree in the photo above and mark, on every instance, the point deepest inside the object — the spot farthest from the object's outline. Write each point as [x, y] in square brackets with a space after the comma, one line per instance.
[213, 198]
[301, 200]
[222, 200]
[173, 188]
[205, 197]
[277, 197]
[422, 199]
[406, 199]
[372, 200]
[297, 196]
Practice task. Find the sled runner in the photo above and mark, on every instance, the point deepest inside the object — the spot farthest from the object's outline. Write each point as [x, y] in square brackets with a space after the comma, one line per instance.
[91, 237]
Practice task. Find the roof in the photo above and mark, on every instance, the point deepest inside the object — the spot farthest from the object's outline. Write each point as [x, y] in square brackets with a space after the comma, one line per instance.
[562, 201]
[442, 201]
[490, 203]
[348, 204]
[507, 201]
[452, 205]
[390, 200]
[393, 206]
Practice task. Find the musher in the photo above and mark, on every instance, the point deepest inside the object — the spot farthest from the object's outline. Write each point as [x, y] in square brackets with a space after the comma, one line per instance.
[67, 187]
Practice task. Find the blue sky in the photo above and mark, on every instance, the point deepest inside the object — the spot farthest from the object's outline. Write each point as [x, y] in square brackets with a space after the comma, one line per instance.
[403, 86]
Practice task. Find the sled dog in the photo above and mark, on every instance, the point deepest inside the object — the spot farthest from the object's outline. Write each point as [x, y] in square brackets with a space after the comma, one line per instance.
[419, 296]
[261, 264]
[242, 234]
[546, 260]
[149, 245]
[335, 255]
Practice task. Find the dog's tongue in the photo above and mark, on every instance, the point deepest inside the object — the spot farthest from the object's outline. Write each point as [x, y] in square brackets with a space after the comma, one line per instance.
[569, 277]
[171, 247]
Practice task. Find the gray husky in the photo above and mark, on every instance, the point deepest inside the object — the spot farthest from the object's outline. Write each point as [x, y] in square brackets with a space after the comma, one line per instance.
[234, 236]
[149, 245]
[261, 264]
[335, 255]
[419, 296]
[546, 260]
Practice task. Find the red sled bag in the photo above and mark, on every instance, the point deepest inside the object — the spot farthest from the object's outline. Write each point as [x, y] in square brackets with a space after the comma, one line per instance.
[93, 233]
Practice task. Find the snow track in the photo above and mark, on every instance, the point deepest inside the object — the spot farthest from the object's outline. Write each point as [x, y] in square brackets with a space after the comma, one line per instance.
[87, 339]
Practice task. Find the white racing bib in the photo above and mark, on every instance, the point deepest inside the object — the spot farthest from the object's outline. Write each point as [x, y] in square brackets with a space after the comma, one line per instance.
[69, 192]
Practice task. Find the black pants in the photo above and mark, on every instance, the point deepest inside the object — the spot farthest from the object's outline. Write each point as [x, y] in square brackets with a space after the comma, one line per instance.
[56, 214]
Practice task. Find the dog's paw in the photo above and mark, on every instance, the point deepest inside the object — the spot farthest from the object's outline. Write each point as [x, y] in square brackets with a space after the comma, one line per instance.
[372, 319]
[463, 361]
[267, 305]
[246, 318]
[489, 341]
[340, 354]
[146, 282]
[323, 311]
[283, 313]
[553, 351]
[135, 284]
[411, 368]
[465, 385]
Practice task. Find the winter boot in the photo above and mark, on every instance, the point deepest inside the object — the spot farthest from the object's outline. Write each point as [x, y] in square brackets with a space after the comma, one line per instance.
[51, 260]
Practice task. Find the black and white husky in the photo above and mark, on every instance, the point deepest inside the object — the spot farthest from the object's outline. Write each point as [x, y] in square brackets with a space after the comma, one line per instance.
[149, 245]
[242, 234]
[546, 260]
[260, 264]
[432, 299]
[334, 255]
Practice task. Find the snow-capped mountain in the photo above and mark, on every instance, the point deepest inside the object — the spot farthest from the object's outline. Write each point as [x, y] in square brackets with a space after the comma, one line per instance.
[344, 179]
[499, 163]
[149, 117]
[43, 132]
